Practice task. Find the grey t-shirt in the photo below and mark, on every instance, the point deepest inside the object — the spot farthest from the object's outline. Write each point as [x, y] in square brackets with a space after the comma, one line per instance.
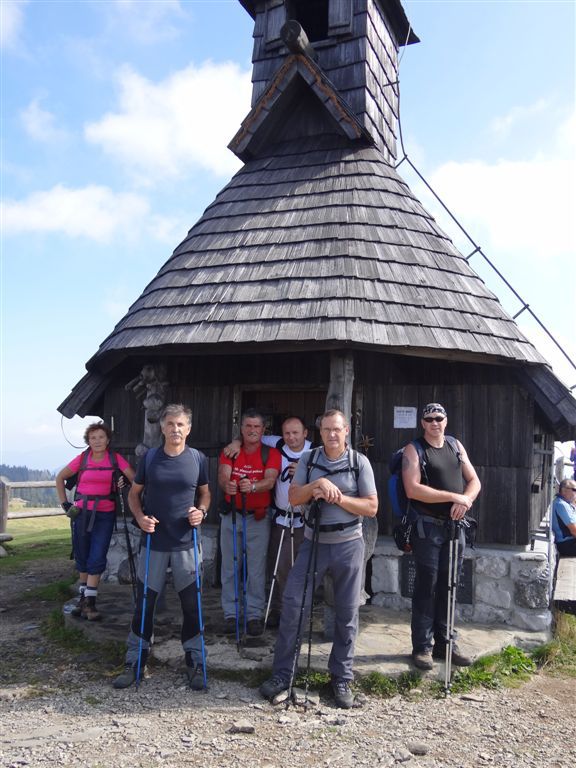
[343, 476]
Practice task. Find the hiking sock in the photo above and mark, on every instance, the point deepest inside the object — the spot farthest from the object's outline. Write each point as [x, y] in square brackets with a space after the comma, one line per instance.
[91, 592]
[81, 588]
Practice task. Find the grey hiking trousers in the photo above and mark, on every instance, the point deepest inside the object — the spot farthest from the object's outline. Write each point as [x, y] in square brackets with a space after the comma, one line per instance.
[184, 577]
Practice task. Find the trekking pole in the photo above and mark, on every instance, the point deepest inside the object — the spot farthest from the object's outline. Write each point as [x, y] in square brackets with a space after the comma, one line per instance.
[451, 602]
[274, 575]
[244, 567]
[144, 601]
[127, 534]
[235, 546]
[199, 600]
[315, 513]
[315, 537]
[291, 537]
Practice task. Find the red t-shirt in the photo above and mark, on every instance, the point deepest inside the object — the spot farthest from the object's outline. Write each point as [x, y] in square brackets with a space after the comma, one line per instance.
[97, 482]
[250, 466]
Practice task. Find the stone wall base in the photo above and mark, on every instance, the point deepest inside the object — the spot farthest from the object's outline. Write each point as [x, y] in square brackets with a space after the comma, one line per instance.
[508, 586]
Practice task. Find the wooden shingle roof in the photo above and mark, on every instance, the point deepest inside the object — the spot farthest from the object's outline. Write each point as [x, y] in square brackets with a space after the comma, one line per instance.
[319, 241]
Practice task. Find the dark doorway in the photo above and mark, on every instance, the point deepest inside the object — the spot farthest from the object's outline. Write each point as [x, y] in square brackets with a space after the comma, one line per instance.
[276, 405]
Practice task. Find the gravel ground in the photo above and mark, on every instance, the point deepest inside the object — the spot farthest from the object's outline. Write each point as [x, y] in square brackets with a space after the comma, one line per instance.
[58, 707]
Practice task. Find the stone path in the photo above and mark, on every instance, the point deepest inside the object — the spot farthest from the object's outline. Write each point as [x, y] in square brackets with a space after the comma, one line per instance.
[383, 643]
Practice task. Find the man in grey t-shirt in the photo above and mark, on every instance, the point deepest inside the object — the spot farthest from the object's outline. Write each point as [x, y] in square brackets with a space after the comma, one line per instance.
[344, 486]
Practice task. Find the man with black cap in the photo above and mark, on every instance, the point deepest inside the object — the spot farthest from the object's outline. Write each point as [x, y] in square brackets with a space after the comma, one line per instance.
[444, 492]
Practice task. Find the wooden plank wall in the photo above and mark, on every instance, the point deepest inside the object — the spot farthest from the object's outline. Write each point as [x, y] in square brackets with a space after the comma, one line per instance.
[488, 411]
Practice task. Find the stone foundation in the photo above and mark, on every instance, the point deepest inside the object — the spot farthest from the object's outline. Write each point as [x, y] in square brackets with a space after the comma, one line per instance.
[504, 586]
[507, 586]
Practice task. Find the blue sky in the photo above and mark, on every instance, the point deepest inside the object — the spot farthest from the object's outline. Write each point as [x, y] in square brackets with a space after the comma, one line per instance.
[115, 119]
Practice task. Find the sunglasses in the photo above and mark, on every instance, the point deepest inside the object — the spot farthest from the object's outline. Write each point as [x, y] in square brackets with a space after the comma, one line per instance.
[430, 419]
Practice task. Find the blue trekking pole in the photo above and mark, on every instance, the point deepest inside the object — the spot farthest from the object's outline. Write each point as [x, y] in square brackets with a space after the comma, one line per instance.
[144, 599]
[199, 599]
[235, 545]
[244, 564]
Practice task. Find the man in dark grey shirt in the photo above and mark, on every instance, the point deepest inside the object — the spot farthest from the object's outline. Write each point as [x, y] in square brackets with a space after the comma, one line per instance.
[445, 493]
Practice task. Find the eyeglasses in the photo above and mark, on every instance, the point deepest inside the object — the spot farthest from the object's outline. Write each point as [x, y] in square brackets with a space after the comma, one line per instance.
[430, 419]
[329, 430]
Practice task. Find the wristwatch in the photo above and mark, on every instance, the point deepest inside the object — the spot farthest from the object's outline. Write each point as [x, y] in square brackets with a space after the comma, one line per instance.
[204, 513]
[253, 487]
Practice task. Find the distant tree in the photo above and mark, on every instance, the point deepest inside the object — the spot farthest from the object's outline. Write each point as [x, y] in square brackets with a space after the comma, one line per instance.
[35, 497]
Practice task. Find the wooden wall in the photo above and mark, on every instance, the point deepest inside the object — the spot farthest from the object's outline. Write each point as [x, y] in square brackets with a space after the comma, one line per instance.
[488, 411]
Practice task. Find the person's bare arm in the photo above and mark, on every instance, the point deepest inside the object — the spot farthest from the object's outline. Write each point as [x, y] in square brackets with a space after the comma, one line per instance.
[232, 450]
[146, 522]
[245, 485]
[61, 478]
[197, 513]
[418, 491]
[227, 485]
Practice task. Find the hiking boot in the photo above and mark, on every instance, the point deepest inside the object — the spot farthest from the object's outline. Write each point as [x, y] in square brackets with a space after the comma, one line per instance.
[273, 620]
[255, 627]
[78, 609]
[459, 659]
[343, 696]
[89, 610]
[229, 627]
[195, 675]
[423, 660]
[127, 677]
[272, 687]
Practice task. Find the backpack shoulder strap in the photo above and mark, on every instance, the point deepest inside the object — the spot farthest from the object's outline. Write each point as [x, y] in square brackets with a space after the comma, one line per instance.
[354, 463]
[84, 460]
[265, 454]
[280, 447]
[312, 462]
[453, 443]
[148, 456]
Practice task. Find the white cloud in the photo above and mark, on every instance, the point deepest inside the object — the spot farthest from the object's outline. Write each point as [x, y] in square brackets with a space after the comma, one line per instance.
[11, 22]
[524, 208]
[502, 125]
[183, 123]
[93, 212]
[147, 22]
[40, 124]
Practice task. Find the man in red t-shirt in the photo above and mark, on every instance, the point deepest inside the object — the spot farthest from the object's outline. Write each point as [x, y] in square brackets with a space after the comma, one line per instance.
[247, 474]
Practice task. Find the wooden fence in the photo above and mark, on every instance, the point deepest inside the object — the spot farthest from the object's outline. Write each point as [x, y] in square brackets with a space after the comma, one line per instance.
[7, 486]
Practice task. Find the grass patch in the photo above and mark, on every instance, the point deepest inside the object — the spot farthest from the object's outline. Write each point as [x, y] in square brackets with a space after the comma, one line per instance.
[56, 631]
[58, 592]
[558, 657]
[36, 538]
[509, 668]
[377, 684]
[75, 641]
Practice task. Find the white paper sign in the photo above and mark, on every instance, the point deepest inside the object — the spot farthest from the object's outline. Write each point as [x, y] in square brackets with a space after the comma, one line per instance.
[404, 417]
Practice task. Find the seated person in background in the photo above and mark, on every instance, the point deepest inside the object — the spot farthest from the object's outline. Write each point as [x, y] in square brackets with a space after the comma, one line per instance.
[564, 518]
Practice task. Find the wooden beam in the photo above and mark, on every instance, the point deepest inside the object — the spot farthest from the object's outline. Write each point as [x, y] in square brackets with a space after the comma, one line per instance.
[341, 382]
